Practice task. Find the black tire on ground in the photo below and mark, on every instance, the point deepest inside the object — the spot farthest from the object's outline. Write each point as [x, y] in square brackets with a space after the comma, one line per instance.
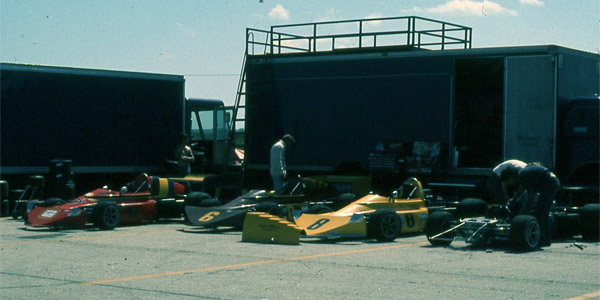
[271, 208]
[524, 233]
[319, 209]
[471, 207]
[106, 215]
[384, 225]
[589, 222]
[438, 222]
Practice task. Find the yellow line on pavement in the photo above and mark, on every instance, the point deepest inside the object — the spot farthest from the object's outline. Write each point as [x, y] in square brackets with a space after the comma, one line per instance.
[42, 240]
[586, 296]
[249, 264]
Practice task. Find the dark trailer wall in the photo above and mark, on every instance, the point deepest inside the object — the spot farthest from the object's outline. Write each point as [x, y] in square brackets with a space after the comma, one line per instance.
[481, 106]
[104, 121]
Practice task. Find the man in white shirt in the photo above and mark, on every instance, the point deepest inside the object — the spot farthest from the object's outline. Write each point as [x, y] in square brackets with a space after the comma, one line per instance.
[504, 180]
[277, 162]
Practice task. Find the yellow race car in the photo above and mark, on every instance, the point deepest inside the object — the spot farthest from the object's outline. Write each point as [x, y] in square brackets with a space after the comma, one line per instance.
[372, 216]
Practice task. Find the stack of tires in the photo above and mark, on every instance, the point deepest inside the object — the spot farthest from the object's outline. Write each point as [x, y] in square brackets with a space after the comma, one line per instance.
[60, 181]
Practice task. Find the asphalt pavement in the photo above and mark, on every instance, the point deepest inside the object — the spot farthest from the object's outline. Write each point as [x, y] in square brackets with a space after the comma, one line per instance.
[170, 260]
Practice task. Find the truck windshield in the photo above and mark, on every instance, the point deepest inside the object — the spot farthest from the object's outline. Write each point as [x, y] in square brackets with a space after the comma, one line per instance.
[202, 125]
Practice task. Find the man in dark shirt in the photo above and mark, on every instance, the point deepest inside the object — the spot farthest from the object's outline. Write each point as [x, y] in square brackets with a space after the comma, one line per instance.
[535, 178]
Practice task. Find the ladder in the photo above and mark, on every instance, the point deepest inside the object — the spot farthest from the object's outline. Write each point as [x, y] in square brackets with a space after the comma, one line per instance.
[238, 111]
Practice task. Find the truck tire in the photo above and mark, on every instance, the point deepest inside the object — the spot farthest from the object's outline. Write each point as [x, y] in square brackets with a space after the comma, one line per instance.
[384, 225]
[589, 222]
[525, 233]
[106, 215]
[471, 207]
[438, 222]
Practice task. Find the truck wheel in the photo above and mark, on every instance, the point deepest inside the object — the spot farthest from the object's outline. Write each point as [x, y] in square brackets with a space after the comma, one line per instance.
[384, 225]
[438, 222]
[471, 207]
[524, 232]
[589, 220]
[106, 215]
[319, 209]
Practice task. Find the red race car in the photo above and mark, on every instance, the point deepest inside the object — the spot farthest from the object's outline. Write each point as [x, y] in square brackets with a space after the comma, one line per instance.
[145, 199]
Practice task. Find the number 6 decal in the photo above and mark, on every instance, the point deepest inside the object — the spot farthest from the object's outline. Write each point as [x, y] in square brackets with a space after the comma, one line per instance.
[209, 216]
[317, 224]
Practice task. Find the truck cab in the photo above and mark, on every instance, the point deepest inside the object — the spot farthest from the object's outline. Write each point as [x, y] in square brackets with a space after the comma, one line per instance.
[207, 124]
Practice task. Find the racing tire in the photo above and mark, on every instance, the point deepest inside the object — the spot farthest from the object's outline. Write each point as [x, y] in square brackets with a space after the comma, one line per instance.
[106, 215]
[471, 207]
[438, 222]
[209, 203]
[196, 198]
[271, 208]
[589, 222]
[525, 233]
[384, 225]
[345, 198]
[319, 209]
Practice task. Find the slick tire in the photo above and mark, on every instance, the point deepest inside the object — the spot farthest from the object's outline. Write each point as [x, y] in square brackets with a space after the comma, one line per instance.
[196, 198]
[525, 233]
[438, 222]
[271, 208]
[471, 207]
[106, 215]
[384, 225]
[319, 209]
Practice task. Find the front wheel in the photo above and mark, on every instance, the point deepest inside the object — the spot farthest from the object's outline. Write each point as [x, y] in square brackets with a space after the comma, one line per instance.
[384, 225]
[437, 223]
[106, 215]
[524, 232]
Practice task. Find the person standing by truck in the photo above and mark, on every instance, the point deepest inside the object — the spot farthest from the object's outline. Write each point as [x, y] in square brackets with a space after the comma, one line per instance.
[184, 155]
[277, 161]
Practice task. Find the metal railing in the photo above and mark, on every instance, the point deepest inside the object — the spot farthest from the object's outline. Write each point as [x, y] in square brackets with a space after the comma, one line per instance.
[416, 32]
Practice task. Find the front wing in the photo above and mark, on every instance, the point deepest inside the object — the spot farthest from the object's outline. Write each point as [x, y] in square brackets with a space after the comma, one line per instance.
[214, 217]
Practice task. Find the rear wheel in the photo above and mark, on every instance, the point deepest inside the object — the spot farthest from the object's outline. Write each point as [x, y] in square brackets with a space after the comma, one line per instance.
[437, 223]
[471, 207]
[384, 225]
[319, 209]
[106, 215]
[271, 208]
[524, 232]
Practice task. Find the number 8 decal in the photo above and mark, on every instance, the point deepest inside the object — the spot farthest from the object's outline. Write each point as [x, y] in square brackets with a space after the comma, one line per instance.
[317, 224]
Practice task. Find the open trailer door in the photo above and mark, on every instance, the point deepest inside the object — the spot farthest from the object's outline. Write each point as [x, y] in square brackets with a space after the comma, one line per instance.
[530, 109]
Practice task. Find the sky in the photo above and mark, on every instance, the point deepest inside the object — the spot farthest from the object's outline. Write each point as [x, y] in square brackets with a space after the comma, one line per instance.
[204, 40]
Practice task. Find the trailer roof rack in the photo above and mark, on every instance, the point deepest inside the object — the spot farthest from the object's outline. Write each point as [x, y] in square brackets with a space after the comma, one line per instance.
[404, 33]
